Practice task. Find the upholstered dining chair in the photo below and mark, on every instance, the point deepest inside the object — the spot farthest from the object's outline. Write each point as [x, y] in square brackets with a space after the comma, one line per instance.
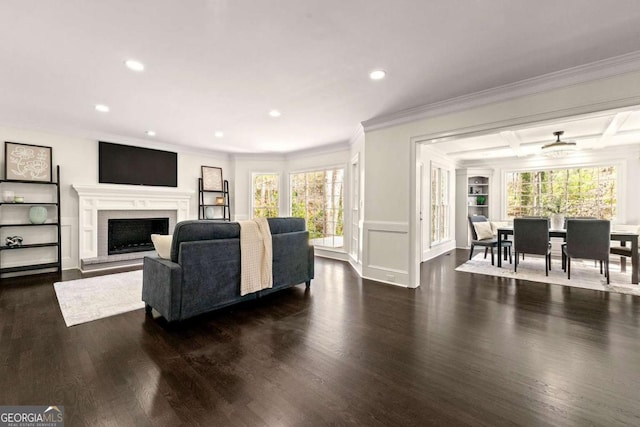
[567, 218]
[488, 241]
[588, 239]
[531, 236]
[564, 258]
[533, 216]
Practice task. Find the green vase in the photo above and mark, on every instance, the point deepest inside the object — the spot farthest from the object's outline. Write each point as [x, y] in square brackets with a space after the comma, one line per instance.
[38, 214]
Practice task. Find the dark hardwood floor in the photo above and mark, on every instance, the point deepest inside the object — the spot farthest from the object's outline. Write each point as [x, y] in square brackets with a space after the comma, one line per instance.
[461, 350]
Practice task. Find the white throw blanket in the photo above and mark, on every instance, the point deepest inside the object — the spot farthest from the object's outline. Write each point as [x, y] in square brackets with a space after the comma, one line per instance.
[256, 256]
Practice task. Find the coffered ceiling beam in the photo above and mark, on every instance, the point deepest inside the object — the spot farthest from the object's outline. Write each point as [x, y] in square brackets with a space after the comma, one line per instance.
[613, 127]
[512, 139]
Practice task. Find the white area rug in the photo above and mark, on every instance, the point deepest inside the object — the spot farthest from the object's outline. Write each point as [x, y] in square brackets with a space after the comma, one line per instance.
[85, 300]
[584, 274]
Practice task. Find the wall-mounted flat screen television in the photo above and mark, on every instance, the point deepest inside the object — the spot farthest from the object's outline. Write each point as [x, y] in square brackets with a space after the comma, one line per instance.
[126, 164]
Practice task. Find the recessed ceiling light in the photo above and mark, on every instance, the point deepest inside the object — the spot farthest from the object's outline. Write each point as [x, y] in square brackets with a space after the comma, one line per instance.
[219, 134]
[377, 74]
[275, 113]
[102, 108]
[134, 65]
[150, 133]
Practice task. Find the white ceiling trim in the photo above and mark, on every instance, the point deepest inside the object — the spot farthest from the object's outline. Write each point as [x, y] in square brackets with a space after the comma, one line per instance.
[613, 128]
[513, 141]
[579, 158]
[257, 157]
[584, 73]
[520, 122]
[322, 149]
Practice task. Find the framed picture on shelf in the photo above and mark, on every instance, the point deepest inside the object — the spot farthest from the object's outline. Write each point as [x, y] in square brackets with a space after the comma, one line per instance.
[212, 178]
[26, 162]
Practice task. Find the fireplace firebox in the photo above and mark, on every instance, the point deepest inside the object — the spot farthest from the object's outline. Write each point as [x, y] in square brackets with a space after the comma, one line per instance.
[134, 234]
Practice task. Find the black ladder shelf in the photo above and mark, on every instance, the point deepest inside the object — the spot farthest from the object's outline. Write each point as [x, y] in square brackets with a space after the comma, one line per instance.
[208, 206]
[39, 266]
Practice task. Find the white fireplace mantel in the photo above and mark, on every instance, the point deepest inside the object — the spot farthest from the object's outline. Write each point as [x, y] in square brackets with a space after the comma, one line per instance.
[94, 198]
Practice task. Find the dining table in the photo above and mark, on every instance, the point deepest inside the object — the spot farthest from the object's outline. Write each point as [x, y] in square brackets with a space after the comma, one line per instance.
[618, 236]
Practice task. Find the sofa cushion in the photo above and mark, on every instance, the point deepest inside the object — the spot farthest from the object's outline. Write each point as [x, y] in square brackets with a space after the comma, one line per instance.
[286, 225]
[162, 245]
[196, 230]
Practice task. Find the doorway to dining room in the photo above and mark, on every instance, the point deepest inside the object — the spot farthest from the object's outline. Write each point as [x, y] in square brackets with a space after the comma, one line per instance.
[595, 180]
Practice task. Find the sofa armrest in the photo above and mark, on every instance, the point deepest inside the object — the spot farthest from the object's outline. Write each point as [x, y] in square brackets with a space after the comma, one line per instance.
[162, 286]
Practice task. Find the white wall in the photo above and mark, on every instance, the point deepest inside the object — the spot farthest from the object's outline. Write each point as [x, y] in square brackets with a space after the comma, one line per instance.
[391, 222]
[78, 160]
[631, 193]
[386, 243]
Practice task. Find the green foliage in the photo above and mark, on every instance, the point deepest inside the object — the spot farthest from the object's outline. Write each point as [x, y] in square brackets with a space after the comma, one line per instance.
[266, 196]
[574, 192]
[318, 197]
[557, 205]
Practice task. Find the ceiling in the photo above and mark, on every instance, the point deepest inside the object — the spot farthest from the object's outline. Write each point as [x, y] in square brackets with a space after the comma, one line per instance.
[222, 65]
[602, 130]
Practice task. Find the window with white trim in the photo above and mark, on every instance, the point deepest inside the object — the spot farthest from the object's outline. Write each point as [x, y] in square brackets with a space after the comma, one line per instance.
[440, 210]
[266, 195]
[575, 192]
[318, 198]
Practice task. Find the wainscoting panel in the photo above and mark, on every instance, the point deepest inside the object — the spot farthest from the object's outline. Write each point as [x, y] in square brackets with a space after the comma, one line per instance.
[386, 255]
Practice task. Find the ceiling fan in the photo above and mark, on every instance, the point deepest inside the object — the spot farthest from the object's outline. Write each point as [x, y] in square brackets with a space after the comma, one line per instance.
[558, 148]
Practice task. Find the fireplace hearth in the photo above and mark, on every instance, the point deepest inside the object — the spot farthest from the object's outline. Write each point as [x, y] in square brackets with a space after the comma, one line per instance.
[134, 234]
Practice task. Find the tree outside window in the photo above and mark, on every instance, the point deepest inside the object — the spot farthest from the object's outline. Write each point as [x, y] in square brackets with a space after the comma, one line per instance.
[265, 195]
[318, 198]
[439, 204]
[576, 192]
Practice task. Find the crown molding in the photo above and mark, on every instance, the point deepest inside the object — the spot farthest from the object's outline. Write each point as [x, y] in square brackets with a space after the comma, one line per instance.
[281, 157]
[258, 157]
[321, 149]
[571, 76]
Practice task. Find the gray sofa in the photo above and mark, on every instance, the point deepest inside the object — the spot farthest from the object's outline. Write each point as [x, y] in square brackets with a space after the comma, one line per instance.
[203, 273]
